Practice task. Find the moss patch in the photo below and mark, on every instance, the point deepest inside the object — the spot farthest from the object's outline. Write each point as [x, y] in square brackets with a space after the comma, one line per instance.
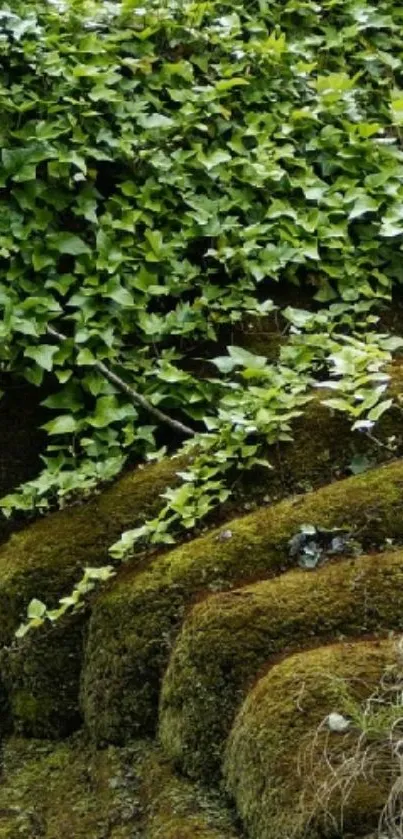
[67, 791]
[48, 557]
[134, 623]
[71, 791]
[41, 674]
[278, 724]
[177, 809]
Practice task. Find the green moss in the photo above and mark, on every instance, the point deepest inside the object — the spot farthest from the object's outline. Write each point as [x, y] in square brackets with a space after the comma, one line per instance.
[45, 561]
[66, 790]
[47, 558]
[135, 622]
[230, 637]
[275, 764]
[71, 790]
[41, 674]
[177, 809]
[49, 555]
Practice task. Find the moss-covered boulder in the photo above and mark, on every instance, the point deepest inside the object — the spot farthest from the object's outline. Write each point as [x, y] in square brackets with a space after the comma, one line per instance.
[228, 639]
[71, 791]
[41, 677]
[47, 558]
[134, 623]
[45, 561]
[283, 760]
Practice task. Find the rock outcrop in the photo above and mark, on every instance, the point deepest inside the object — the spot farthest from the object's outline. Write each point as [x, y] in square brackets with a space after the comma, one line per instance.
[176, 704]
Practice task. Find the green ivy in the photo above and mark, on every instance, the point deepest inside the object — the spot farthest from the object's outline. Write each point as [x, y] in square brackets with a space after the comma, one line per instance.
[164, 168]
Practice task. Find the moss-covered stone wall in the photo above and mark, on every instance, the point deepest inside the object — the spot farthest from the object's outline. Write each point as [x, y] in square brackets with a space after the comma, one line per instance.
[212, 621]
[229, 638]
[134, 624]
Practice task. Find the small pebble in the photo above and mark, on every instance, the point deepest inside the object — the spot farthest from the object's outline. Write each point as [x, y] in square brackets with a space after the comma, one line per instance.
[224, 535]
[337, 722]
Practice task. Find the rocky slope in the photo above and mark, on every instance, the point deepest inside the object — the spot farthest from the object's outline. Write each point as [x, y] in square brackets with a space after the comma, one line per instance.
[180, 702]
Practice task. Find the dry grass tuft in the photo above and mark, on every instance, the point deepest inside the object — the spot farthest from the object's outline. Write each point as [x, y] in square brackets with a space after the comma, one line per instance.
[341, 767]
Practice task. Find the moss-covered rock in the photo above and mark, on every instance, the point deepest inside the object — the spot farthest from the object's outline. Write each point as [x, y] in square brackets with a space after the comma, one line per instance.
[71, 791]
[281, 753]
[177, 809]
[41, 676]
[66, 791]
[47, 558]
[228, 639]
[135, 622]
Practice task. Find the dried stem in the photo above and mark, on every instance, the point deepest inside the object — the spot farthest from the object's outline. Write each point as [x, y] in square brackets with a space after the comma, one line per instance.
[137, 398]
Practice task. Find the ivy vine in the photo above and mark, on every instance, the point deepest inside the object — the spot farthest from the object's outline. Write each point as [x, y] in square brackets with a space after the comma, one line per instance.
[165, 169]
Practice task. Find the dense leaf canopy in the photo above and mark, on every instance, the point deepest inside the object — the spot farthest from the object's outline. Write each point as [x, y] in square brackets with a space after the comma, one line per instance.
[163, 169]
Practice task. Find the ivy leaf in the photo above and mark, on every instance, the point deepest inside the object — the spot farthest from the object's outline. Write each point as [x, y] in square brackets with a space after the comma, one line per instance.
[64, 424]
[224, 363]
[359, 463]
[337, 404]
[215, 159]
[108, 411]
[227, 84]
[391, 343]
[244, 358]
[68, 243]
[36, 609]
[298, 317]
[85, 357]
[156, 121]
[375, 413]
[121, 295]
[43, 355]
[364, 204]
[101, 574]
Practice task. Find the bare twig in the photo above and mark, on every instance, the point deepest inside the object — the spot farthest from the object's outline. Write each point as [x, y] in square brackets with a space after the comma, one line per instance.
[134, 396]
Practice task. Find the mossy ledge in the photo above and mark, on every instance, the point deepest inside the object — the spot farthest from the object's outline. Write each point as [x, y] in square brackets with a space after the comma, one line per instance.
[277, 733]
[71, 790]
[228, 639]
[47, 558]
[134, 623]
